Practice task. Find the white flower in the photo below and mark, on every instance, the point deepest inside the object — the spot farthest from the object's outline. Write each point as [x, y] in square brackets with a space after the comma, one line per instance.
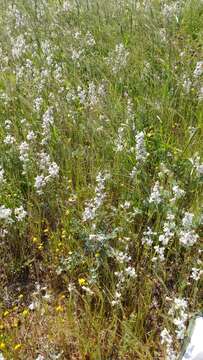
[31, 136]
[39, 183]
[200, 94]
[180, 303]
[88, 290]
[24, 148]
[20, 213]
[5, 214]
[178, 192]
[200, 169]
[9, 139]
[159, 252]
[155, 196]
[199, 69]
[188, 237]
[90, 41]
[187, 220]
[166, 338]
[37, 104]
[187, 85]
[53, 169]
[19, 46]
[96, 202]
[131, 272]
[1, 356]
[196, 273]
[147, 238]
[2, 180]
[33, 305]
[40, 357]
[141, 153]
[66, 6]
[118, 58]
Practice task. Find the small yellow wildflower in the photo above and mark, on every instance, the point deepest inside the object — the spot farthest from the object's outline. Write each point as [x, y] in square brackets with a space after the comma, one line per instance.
[34, 240]
[40, 247]
[82, 281]
[46, 230]
[97, 254]
[63, 235]
[5, 313]
[2, 346]
[20, 296]
[17, 347]
[59, 308]
[25, 312]
[15, 323]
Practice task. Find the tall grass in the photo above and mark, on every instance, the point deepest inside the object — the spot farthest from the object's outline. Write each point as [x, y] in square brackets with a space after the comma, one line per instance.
[101, 177]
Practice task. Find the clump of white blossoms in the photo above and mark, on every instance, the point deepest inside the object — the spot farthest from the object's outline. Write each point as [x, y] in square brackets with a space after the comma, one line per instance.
[5, 214]
[120, 142]
[50, 171]
[171, 10]
[198, 69]
[18, 46]
[178, 193]
[200, 98]
[141, 153]
[2, 172]
[91, 96]
[178, 316]
[196, 273]
[66, 6]
[37, 103]
[20, 213]
[155, 196]
[24, 154]
[198, 167]
[31, 136]
[167, 340]
[13, 12]
[89, 39]
[148, 236]
[123, 275]
[188, 236]
[168, 229]
[47, 122]
[93, 205]
[118, 58]
[9, 140]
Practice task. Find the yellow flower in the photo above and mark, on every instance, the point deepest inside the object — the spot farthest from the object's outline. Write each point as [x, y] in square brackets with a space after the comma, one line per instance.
[59, 308]
[82, 281]
[62, 297]
[17, 347]
[40, 247]
[2, 346]
[46, 230]
[5, 313]
[25, 312]
[34, 240]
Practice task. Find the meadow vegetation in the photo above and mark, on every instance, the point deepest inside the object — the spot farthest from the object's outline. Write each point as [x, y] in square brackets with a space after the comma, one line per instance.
[101, 174]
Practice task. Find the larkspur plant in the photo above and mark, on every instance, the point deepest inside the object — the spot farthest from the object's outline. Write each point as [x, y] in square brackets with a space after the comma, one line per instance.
[101, 177]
